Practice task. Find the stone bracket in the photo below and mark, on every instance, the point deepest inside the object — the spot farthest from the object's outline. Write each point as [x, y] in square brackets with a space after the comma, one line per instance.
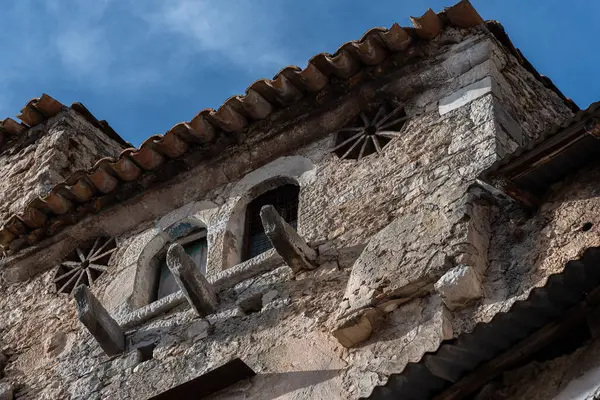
[286, 241]
[357, 328]
[98, 322]
[194, 286]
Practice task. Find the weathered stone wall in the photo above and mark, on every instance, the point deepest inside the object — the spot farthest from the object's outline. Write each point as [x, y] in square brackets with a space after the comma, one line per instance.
[410, 204]
[47, 154]
[525, 250]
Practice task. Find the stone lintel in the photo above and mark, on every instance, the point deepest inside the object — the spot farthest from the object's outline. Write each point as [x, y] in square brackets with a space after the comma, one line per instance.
[98, 321]
[197, 290]
[467, 94]
[286, 241]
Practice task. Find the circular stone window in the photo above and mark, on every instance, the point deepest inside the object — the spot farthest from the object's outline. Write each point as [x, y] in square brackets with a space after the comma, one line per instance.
[84, 265]
[369, 132]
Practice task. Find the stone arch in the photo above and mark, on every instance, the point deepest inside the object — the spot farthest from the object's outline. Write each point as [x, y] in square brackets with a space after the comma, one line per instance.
[296, 170]
[153, 241]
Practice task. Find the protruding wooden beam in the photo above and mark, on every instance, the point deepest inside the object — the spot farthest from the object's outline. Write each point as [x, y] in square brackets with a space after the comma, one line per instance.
[98, 321]
[198, 291]
[286, 241]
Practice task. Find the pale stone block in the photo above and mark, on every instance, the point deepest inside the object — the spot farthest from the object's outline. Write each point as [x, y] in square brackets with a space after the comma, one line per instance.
[480, 52]
[459, 286]
[456, 64]
[358, 328]
[477, 73]
[197, 330]
[466, 95]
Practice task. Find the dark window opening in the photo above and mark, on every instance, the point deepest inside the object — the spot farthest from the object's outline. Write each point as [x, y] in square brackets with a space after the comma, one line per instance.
[252, 304]
[285, 200]
[587, 226]
[147, 352]
[196, 246]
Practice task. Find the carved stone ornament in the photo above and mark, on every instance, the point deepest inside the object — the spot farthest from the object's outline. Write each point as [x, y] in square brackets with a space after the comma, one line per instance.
[369, 132]
[84, 265]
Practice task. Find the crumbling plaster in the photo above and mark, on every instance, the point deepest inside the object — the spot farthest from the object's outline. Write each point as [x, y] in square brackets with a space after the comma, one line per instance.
[414, 193]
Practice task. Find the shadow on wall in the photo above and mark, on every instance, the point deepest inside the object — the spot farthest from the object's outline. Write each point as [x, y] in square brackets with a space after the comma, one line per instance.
[275, 385]
[525, 249]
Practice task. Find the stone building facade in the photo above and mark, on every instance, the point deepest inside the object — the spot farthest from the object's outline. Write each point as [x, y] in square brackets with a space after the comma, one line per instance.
[410, 217]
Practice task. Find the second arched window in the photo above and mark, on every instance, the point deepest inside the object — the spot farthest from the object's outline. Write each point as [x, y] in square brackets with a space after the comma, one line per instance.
[285, 200]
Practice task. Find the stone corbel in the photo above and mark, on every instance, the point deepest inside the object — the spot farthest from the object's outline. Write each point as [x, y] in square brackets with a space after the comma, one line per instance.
[286, 241]
[98, 322]
[357, 328]
[194, 286]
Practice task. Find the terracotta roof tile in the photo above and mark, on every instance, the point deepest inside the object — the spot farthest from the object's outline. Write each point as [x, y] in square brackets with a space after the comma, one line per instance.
[47, 215]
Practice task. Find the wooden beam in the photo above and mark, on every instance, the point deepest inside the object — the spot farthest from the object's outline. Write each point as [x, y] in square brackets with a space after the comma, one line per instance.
[522, 196]
[98, 322]
[510, 358]
[286, 241]
[197, 290]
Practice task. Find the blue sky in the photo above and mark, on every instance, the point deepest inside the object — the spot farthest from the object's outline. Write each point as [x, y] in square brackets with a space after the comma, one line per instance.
[144, 65]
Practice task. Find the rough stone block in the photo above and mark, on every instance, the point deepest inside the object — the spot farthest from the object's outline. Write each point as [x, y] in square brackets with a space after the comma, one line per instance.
[292, 248]
[385, 270]
[466, 95]
[197, 330]
[6, 391]
[198, 291]
[358, 327]
[459, 286]
[98, 322]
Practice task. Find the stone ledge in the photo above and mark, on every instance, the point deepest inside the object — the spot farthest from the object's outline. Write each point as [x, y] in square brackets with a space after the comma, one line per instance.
[264, 262]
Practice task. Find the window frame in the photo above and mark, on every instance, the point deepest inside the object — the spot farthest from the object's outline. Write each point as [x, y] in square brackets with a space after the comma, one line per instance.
[250, 210]
[160, 258]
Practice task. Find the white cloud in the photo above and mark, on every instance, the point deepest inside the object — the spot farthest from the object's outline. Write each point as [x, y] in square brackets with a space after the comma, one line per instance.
[243, 32]
[130, 47]
[85, 53]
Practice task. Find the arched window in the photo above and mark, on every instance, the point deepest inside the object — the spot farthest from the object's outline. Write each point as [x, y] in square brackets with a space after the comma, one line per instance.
[285, 200]
[193, 240]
